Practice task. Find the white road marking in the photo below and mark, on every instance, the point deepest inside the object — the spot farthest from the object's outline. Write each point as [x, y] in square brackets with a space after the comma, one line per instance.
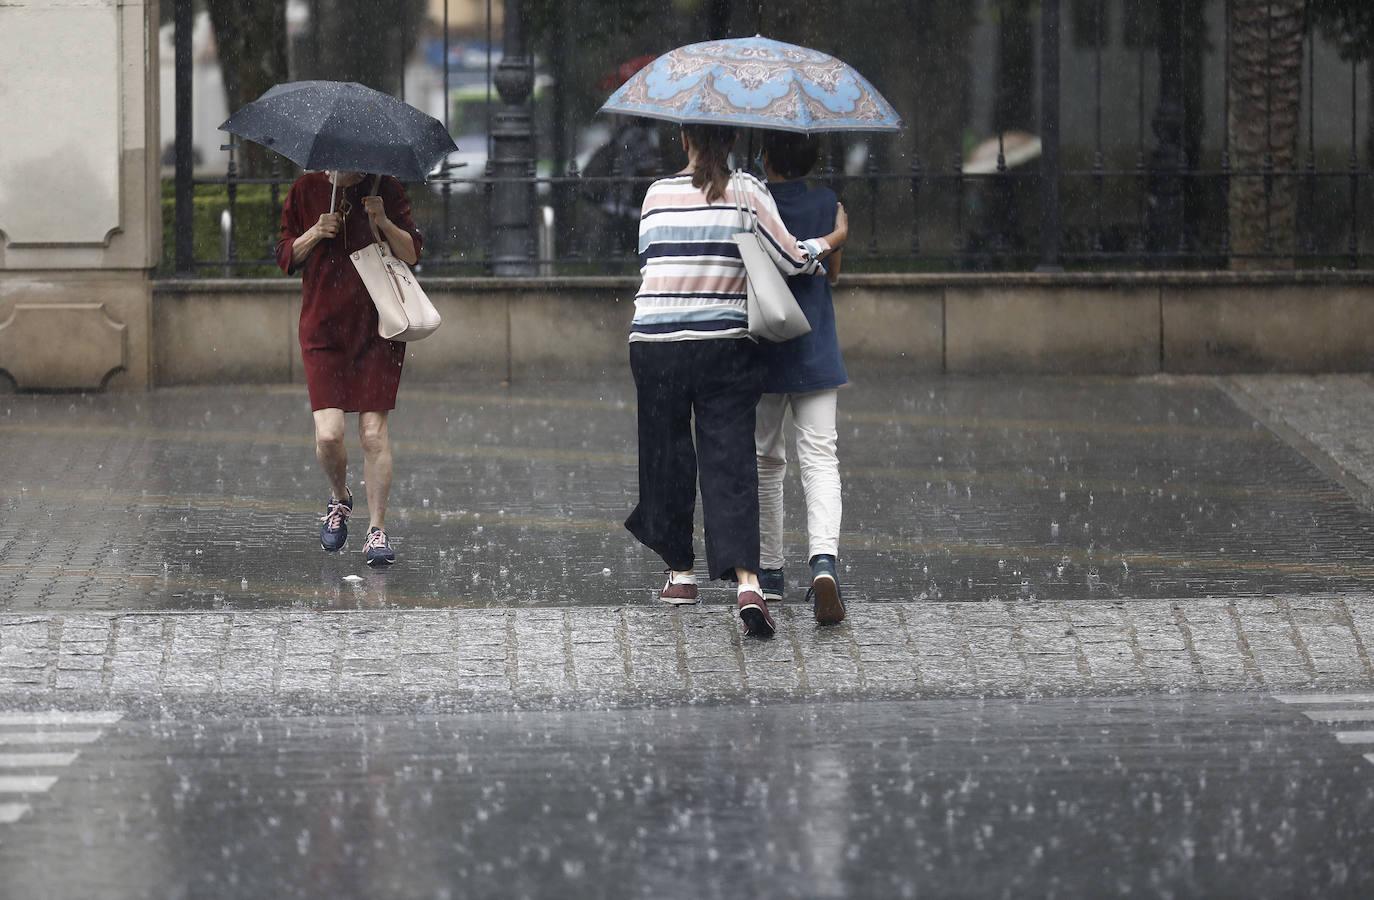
[12, 812]
[58, 717]
[1355, 737]
[26, 784]
[34, 738]
[1324, 698]
[34, 735]
[1339, 715]
[36, 760]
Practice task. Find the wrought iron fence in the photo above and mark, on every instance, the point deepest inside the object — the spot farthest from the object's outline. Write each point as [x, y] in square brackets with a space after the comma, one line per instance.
[1165, 202]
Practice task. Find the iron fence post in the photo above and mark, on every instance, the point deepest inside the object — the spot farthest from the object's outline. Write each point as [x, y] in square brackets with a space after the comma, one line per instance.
[1164, 223]
[185, 172]
[1049, 137]
[513, 153]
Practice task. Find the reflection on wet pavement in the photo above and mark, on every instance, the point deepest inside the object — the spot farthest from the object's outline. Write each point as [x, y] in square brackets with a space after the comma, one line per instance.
[955, 489]
[1200, 796]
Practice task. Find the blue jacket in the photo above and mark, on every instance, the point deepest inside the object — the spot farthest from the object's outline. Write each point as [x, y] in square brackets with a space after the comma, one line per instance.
[811, 362]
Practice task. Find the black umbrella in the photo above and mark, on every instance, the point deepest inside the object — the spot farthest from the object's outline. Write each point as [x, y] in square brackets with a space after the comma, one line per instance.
[344, 126]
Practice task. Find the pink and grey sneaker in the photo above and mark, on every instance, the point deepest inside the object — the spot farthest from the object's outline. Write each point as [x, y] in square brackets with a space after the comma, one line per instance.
[680, 590]
[753, 613]
[334, 524]
[378, 550]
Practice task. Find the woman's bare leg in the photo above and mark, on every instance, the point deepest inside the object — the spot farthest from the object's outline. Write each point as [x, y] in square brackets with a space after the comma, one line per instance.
[330, 450]
[372, 428]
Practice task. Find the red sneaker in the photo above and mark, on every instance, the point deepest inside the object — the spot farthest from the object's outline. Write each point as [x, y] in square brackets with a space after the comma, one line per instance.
[679, 591]
[753, 613]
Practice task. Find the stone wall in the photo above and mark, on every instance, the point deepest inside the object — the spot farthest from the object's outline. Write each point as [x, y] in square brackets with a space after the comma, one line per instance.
[216, 331]
[79, 221]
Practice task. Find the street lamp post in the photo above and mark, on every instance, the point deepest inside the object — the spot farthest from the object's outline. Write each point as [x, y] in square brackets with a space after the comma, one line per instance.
[513, 153]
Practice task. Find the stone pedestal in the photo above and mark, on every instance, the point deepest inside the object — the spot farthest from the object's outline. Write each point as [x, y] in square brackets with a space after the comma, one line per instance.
[80, 221]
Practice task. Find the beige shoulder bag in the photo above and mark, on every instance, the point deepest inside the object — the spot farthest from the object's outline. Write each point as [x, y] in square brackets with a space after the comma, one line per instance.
[404, 312]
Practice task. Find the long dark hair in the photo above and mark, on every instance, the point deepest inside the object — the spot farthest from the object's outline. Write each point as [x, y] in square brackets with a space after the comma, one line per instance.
[712, 144]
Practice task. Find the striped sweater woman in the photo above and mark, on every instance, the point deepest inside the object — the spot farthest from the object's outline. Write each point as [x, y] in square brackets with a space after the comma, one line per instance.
[690, 366]
[693, 278]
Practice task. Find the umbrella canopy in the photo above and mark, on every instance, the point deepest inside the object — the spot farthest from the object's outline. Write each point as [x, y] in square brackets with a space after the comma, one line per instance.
[346, 126]
[755, 82]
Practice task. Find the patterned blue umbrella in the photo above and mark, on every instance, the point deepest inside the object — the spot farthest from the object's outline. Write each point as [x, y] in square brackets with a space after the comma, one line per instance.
[755, 82]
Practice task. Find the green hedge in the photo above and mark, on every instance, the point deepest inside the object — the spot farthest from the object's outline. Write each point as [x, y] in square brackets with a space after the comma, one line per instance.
[255, 226]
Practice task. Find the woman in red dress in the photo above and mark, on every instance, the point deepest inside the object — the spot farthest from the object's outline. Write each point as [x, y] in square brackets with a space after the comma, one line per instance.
[348, 366]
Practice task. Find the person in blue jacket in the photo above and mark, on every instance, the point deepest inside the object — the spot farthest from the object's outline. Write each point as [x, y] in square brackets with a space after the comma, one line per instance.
[803, 375]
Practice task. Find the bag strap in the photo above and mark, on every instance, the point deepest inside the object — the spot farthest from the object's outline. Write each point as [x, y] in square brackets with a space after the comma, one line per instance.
[376, 232]
[743, 206]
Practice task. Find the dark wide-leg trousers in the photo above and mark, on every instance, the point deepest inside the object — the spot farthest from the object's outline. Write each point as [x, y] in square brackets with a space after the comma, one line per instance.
[718, 382]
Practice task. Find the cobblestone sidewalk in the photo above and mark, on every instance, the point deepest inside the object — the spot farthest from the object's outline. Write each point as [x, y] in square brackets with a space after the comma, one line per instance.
[636, 655]
[1261, 553]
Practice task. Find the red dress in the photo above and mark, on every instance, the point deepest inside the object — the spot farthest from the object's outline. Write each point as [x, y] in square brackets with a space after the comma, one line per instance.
[348, 365]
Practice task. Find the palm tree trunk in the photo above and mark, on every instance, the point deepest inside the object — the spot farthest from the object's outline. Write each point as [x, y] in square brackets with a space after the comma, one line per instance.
[1265, 93]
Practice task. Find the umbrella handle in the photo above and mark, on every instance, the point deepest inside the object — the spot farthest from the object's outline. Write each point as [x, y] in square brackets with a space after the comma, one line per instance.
[333, 190]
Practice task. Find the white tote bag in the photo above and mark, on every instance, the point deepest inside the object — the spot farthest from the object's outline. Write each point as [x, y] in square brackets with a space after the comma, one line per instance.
[404, 312]
[773, 312]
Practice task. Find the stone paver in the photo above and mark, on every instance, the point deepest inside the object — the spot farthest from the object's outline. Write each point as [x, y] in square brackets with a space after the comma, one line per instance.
[955, 490]
[637, 655]
[1335, 413]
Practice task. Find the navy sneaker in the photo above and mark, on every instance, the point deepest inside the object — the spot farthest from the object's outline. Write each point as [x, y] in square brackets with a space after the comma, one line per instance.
[825, 591]
[378, 550]
[334, 524]
[771, 584]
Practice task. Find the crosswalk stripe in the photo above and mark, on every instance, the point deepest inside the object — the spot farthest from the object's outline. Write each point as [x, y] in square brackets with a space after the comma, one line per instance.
[1355, 737]
[36, 760]
[58, 717]
[1339, 715]
[34, 738]
[1324, 698]
[12, 812]
[26, 784]
[1369, 757]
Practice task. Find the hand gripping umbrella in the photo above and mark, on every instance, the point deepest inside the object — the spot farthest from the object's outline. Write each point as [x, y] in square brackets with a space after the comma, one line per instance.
[755, 82]
[344, 126]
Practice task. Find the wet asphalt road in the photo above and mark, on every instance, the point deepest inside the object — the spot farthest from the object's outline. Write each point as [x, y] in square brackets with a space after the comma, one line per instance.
[1175, 797]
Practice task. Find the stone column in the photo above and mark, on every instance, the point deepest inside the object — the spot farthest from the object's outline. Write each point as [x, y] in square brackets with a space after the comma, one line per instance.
[80, 215]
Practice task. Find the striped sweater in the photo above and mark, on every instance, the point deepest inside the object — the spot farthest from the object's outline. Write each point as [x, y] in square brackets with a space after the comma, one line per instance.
[693, 278]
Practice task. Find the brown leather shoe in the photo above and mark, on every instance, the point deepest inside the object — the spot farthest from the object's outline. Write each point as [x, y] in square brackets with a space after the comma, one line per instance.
[678, 594]
[753, 614]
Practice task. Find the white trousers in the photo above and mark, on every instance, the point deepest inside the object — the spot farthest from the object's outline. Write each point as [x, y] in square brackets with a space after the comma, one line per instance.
[813, 420]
